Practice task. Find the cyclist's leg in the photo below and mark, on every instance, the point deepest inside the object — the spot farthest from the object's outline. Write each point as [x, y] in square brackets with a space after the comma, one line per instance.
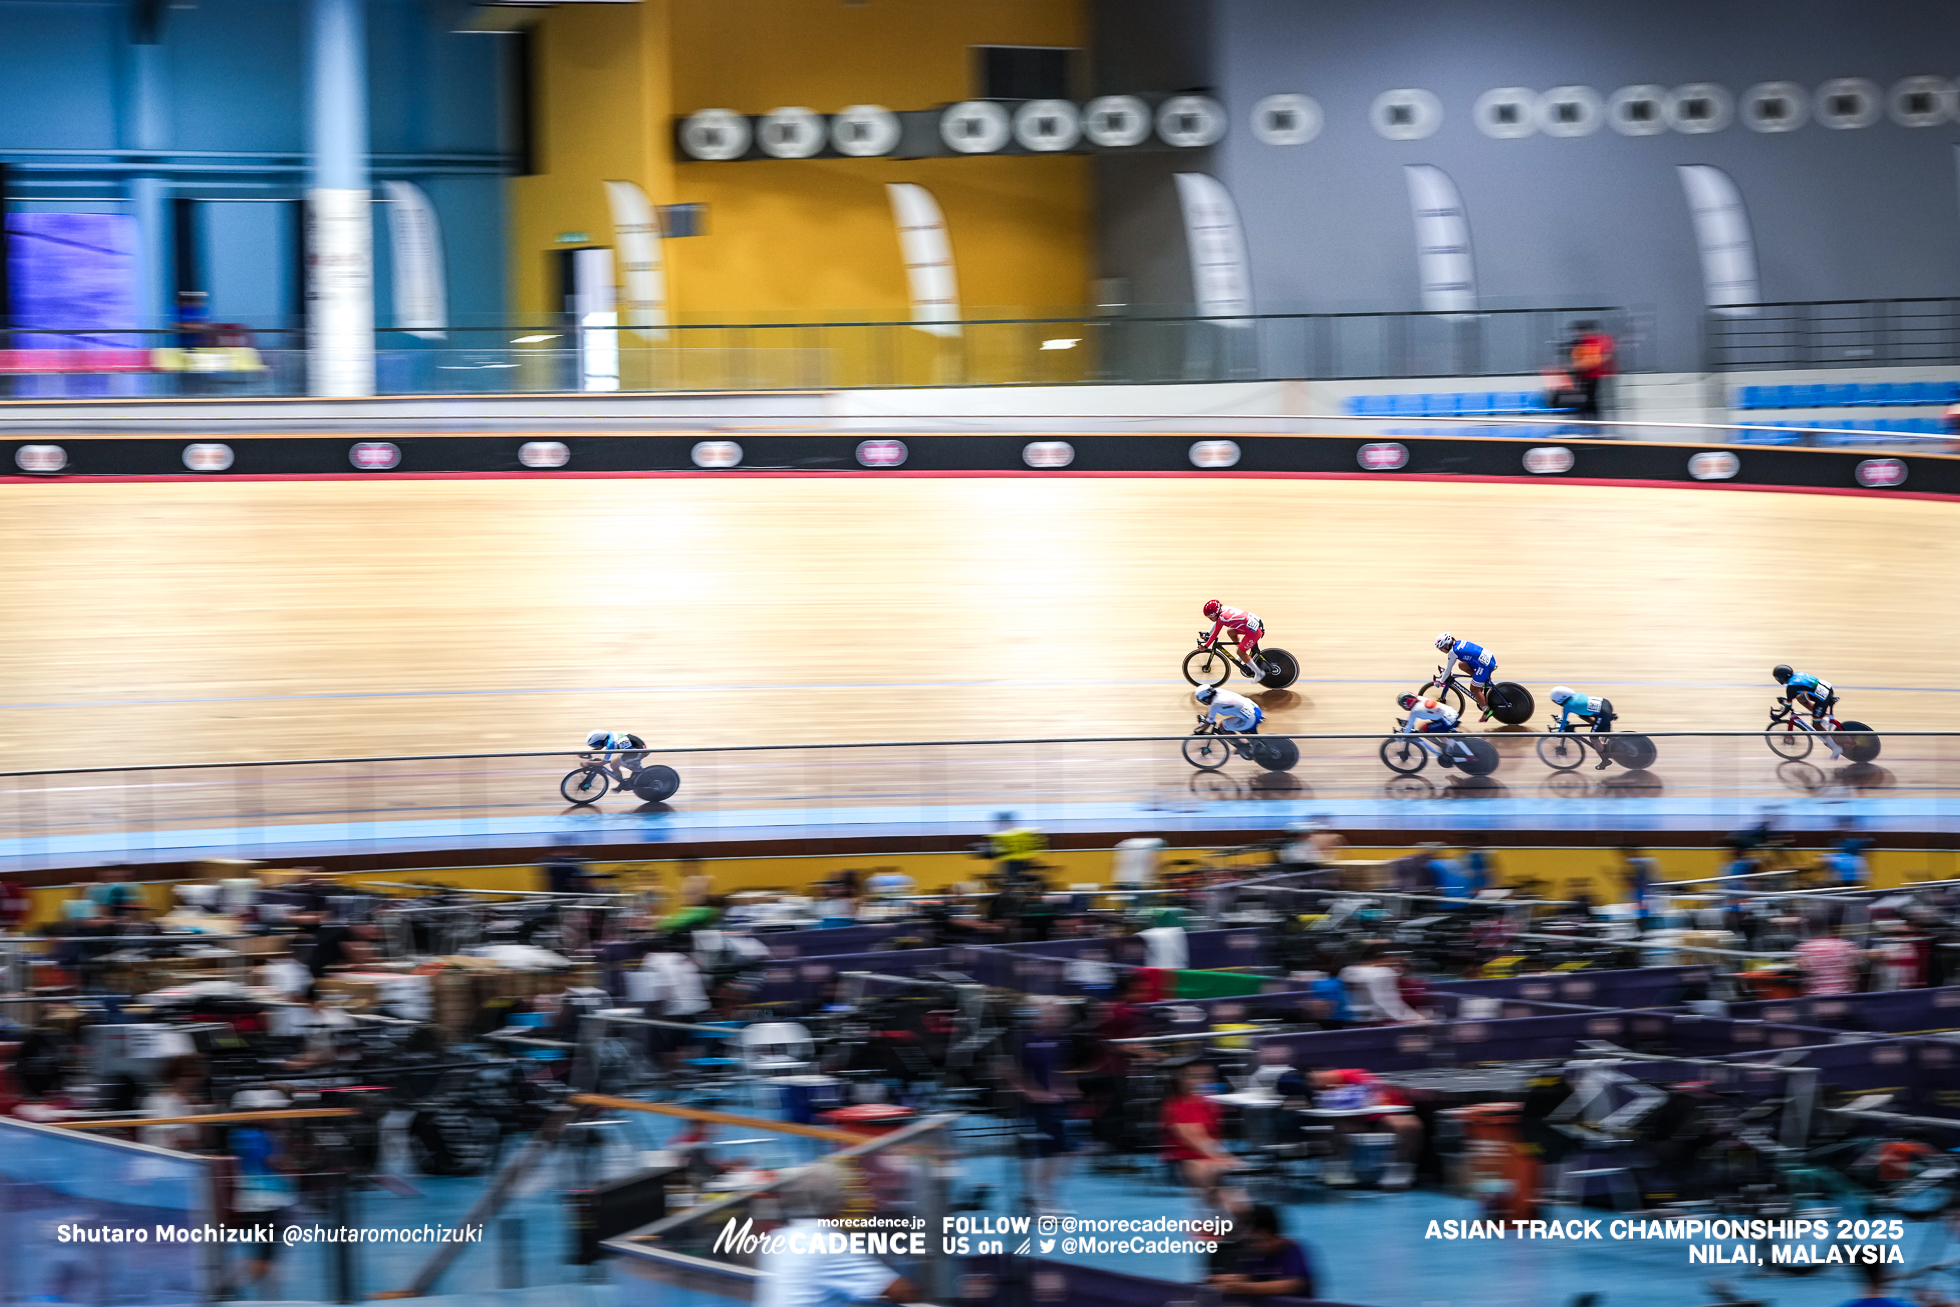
[1604, 718]
[1249, 646]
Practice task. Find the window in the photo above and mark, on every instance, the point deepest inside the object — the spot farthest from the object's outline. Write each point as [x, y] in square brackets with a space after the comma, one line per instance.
[1023, 72]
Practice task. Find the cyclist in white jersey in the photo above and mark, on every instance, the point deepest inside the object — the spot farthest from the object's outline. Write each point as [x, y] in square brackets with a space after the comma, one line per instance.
[1228, 711]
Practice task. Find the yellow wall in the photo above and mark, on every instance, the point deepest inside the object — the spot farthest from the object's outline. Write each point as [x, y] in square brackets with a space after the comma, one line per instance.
[797, 240]
[602, 107]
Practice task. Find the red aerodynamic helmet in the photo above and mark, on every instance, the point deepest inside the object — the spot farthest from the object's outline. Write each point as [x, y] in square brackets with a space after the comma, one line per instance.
[1212, 609]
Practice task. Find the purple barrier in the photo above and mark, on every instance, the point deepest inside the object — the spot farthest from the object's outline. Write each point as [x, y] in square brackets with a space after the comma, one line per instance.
[1375, 1048]
[1637, 987]
[1698, 1036]
[800, 978]
[1898, 1011]
[1919, 1072]
[1209, 950]
[829, 943]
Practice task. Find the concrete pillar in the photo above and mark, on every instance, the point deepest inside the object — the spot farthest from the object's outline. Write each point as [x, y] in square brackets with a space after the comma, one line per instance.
[339, 209]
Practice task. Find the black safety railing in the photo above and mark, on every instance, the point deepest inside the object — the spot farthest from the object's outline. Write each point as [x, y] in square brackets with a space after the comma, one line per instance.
[1834, 334]
[371, 805]
[1004, 351]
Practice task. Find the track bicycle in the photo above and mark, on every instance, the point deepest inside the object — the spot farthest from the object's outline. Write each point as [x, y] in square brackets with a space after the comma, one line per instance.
[1212, 664]
[1564, 748]
[1797, 735]
[1407, 753]
[1210, 748]
[588, 782]
[1507, 701]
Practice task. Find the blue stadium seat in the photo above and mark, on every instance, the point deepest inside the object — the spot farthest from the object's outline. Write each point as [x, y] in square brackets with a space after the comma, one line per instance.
[1749, 397]
[1404, 406]
[1477, 404]
[1368, 406]
[1441, 406]
[1803, 396]
[1839, 396]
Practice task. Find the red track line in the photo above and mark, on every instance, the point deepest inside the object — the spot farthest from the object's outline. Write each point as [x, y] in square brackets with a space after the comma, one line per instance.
[1635, 482]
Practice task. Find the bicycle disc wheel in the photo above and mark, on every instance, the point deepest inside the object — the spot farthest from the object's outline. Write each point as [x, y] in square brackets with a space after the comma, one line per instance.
[586, 785]
[1789, 742]
[1561, 752]
[1207, 752]
[1404, 755]
[1859, 741]
[1207, 667]
[1633, 752]
[1282, 669]
[656, 783]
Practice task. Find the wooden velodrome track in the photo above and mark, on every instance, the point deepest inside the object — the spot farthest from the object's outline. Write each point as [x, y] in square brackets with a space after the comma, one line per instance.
[181, 622]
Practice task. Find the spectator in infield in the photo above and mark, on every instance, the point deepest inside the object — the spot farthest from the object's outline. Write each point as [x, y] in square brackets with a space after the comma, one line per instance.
[1041, 1076]
[821, 1279]
[1269, 1264]
[1192, 1124]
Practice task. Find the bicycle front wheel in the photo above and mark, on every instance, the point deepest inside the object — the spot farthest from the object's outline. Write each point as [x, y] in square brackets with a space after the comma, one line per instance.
[1207, 752]
[1790, 742]
[586, 785]
[1207, 667]
[1452, 696]
[1404, 755]
[1561, 752]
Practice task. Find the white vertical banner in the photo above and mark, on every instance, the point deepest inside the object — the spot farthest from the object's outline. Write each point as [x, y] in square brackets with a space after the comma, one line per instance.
[1728, 250]
[643, 273]
[928, 255]
[340, 291]
[415, 249]
[596, 307]
[1444, 267]
[1221, 275]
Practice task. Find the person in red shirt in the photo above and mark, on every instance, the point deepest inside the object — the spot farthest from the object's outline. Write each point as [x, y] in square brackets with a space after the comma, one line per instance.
[1191, 1124]
[1589, 358]
[1339, 1085]
[1246, 629]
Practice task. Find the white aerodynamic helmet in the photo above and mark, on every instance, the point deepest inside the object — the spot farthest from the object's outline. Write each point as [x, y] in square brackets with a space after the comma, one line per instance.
[1446, 642]
[1560, 694]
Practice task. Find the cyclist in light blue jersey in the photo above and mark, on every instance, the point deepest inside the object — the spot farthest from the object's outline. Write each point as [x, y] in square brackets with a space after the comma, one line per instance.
[1591, 709]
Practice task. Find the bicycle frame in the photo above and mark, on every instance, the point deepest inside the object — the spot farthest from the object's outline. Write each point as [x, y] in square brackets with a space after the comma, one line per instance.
[1788, 714]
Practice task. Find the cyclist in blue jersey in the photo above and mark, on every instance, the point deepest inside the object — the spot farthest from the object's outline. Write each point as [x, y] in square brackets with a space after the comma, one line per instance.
[1812, 694]
[1475, 660]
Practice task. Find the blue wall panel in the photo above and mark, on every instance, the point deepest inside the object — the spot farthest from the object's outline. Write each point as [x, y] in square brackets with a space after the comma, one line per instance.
[238, 75]
[59, 64]
[247, 249]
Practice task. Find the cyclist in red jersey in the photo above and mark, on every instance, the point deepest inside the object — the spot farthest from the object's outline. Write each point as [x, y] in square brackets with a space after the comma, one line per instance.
[1246, 629]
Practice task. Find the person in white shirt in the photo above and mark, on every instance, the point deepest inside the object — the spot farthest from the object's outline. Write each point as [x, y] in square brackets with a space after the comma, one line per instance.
[673, 991]
[1372, 994]
[794, 1275]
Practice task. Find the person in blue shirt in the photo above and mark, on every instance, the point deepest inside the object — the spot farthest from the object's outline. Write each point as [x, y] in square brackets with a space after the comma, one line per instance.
[1477, 662]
